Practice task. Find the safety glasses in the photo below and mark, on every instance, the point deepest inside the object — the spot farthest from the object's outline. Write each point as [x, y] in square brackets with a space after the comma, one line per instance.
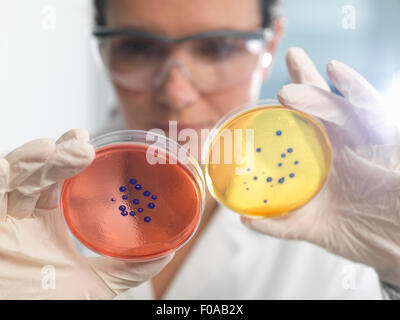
[141, 61]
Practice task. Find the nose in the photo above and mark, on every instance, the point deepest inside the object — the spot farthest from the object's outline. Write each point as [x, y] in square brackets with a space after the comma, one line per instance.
[175, 88]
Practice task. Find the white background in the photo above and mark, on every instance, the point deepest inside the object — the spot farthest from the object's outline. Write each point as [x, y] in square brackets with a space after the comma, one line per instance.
[49, 82]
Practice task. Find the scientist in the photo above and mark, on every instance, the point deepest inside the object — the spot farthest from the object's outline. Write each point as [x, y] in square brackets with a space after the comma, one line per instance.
[347, 239]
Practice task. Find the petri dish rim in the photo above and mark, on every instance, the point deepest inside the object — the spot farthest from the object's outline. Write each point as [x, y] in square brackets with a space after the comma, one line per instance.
[235, 113]
[135, 137]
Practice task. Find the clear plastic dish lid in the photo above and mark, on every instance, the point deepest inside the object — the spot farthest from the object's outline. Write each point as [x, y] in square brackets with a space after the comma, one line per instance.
[265, 160]
[137, 200]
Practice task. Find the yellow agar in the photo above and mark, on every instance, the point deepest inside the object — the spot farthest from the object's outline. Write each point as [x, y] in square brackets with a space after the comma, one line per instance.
[280, 169]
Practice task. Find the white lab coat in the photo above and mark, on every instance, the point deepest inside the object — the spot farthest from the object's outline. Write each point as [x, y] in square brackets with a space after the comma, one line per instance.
[230, 261]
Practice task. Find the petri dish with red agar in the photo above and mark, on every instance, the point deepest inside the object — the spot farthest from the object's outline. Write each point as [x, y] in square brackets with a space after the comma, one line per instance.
[142, 197]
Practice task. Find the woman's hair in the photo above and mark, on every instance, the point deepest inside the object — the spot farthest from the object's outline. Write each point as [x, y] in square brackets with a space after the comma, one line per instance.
[269, 10]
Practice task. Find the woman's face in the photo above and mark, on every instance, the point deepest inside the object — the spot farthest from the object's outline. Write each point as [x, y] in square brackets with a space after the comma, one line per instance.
[177, 98]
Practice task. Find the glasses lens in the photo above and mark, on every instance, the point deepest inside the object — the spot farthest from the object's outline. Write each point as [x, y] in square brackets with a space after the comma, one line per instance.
[222, 62]
[213, 63]
[134, 62]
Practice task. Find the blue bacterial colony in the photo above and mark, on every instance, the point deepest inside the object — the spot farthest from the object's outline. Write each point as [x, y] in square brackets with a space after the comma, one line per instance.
[125, 211]
[283, 155]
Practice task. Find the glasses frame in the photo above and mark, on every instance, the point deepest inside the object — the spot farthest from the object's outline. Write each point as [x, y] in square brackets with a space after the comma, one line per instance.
[107, 32]
[102, 33]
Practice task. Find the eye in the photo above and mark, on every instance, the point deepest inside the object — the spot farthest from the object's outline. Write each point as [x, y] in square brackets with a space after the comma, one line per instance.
[130, 48]
[219, 47]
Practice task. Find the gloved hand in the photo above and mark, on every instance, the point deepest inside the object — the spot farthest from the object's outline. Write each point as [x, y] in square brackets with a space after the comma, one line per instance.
[37, 257]
[357, 214]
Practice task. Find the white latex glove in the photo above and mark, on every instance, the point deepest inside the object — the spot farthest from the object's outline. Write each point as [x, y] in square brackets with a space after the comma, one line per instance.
[37, 257]
[357, 215]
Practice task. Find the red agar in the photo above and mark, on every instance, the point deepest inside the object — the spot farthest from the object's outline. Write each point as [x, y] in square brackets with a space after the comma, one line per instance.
[91, 201]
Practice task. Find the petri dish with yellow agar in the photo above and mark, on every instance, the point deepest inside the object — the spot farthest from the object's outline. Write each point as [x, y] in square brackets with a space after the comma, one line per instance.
[265, 160]
[140, 199]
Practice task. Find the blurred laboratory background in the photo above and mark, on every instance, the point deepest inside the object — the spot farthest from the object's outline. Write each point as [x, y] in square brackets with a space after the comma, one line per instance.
[51, 81]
